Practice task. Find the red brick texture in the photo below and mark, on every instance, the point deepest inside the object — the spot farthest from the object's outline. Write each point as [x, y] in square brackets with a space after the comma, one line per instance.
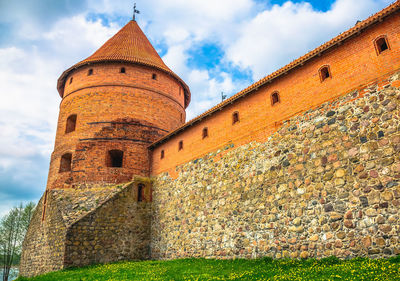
[352, 64]
[123, 111]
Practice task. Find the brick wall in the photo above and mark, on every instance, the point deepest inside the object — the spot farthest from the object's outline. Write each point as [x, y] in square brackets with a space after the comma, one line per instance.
[125, 111]
[353, 64]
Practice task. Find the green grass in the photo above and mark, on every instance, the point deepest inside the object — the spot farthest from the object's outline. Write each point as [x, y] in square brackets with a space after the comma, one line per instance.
[239, 269]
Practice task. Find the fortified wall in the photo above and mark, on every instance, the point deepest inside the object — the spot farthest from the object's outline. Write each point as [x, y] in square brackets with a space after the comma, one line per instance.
[325, 183]
[303, 163]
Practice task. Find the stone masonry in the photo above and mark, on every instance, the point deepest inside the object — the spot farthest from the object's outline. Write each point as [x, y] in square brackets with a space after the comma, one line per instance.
[326, 183]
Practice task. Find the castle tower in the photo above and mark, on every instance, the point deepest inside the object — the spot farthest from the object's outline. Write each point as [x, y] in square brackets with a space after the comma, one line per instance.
[114, 104]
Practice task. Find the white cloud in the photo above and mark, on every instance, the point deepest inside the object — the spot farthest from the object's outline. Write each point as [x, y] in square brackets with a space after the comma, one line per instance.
[275, 37]
[29, 100]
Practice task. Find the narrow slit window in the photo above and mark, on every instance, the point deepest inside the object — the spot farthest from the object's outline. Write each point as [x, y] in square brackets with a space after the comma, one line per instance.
[324, 73]
[70, 80]
[180, 146]
[162, 154]
[90, 72]
[205, 133]
[122, 70]
[275, 98]
[71, 124]
[235, 117]
[381, 44]
[115, 158]
[154, 76]
[140, 192]
[65, 163]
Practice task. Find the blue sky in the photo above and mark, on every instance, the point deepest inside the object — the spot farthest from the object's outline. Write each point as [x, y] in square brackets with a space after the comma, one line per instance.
[215, 46]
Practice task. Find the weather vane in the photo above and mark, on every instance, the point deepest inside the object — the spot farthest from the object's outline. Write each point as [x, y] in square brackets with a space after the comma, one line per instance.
[135, 12]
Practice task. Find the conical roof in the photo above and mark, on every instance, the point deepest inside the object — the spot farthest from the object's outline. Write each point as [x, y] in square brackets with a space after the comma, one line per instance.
[130, 45]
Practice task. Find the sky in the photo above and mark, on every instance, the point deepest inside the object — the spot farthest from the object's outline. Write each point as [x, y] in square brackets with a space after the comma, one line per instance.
[214, 46]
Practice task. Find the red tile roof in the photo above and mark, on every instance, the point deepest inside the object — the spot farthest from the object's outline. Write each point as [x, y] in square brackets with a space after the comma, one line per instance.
[296, 63]
[130, 45]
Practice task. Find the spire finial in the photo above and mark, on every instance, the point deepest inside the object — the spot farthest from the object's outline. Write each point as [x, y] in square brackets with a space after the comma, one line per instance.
[135, 12]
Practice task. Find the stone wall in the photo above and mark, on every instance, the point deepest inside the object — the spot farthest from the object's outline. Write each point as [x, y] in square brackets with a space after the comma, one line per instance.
[81, 226]
[43, 247]
[118, 230]
[326, 183]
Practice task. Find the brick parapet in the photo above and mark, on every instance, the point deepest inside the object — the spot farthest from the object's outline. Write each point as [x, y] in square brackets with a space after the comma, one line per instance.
[354, 64]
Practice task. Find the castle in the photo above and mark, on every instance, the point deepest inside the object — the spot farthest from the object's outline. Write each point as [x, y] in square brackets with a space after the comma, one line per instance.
[303, 163]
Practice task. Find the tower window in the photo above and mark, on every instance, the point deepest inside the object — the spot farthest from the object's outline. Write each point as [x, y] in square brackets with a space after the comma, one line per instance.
[70, 80]
[65, 163]
[381, 44]
[205, 132]
[154, 76]
[180, 146]
[122, 70]
[162, 154]
[275, 98]
[324, 73]
[71, 124]
[115, 158]
[235, 117]
[90, 72]
[140, 189]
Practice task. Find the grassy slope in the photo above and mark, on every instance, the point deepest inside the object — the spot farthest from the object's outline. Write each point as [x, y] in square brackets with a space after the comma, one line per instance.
[261, 269]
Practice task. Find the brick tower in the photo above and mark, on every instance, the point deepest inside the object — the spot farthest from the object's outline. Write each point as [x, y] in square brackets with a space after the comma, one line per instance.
[114, 104]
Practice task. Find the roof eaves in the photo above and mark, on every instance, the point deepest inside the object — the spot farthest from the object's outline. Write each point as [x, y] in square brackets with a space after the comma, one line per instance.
[355, 30]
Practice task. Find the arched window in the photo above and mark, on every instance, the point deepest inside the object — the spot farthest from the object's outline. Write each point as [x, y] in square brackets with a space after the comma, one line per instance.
[324, 73]
[381, 44]
[70, 80]
[275, 98]
[71, 123]
[180, 146]
[90, 72]
[235, 117]
[115, 158]
[122, 70]
[154, 76]
[162, 154]
[65, 163]
[205, 132]
[140, 189]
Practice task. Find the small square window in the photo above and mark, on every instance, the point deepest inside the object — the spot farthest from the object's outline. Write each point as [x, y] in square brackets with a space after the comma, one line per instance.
[90, 72]
[122, 70]
[235, 117]
[275, 98]
[205, 133]
[381, 44]
[154, 76]
[324, 73]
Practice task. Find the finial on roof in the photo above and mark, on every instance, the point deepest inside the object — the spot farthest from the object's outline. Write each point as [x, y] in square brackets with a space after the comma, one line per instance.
[223, 97]
[135, 12]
